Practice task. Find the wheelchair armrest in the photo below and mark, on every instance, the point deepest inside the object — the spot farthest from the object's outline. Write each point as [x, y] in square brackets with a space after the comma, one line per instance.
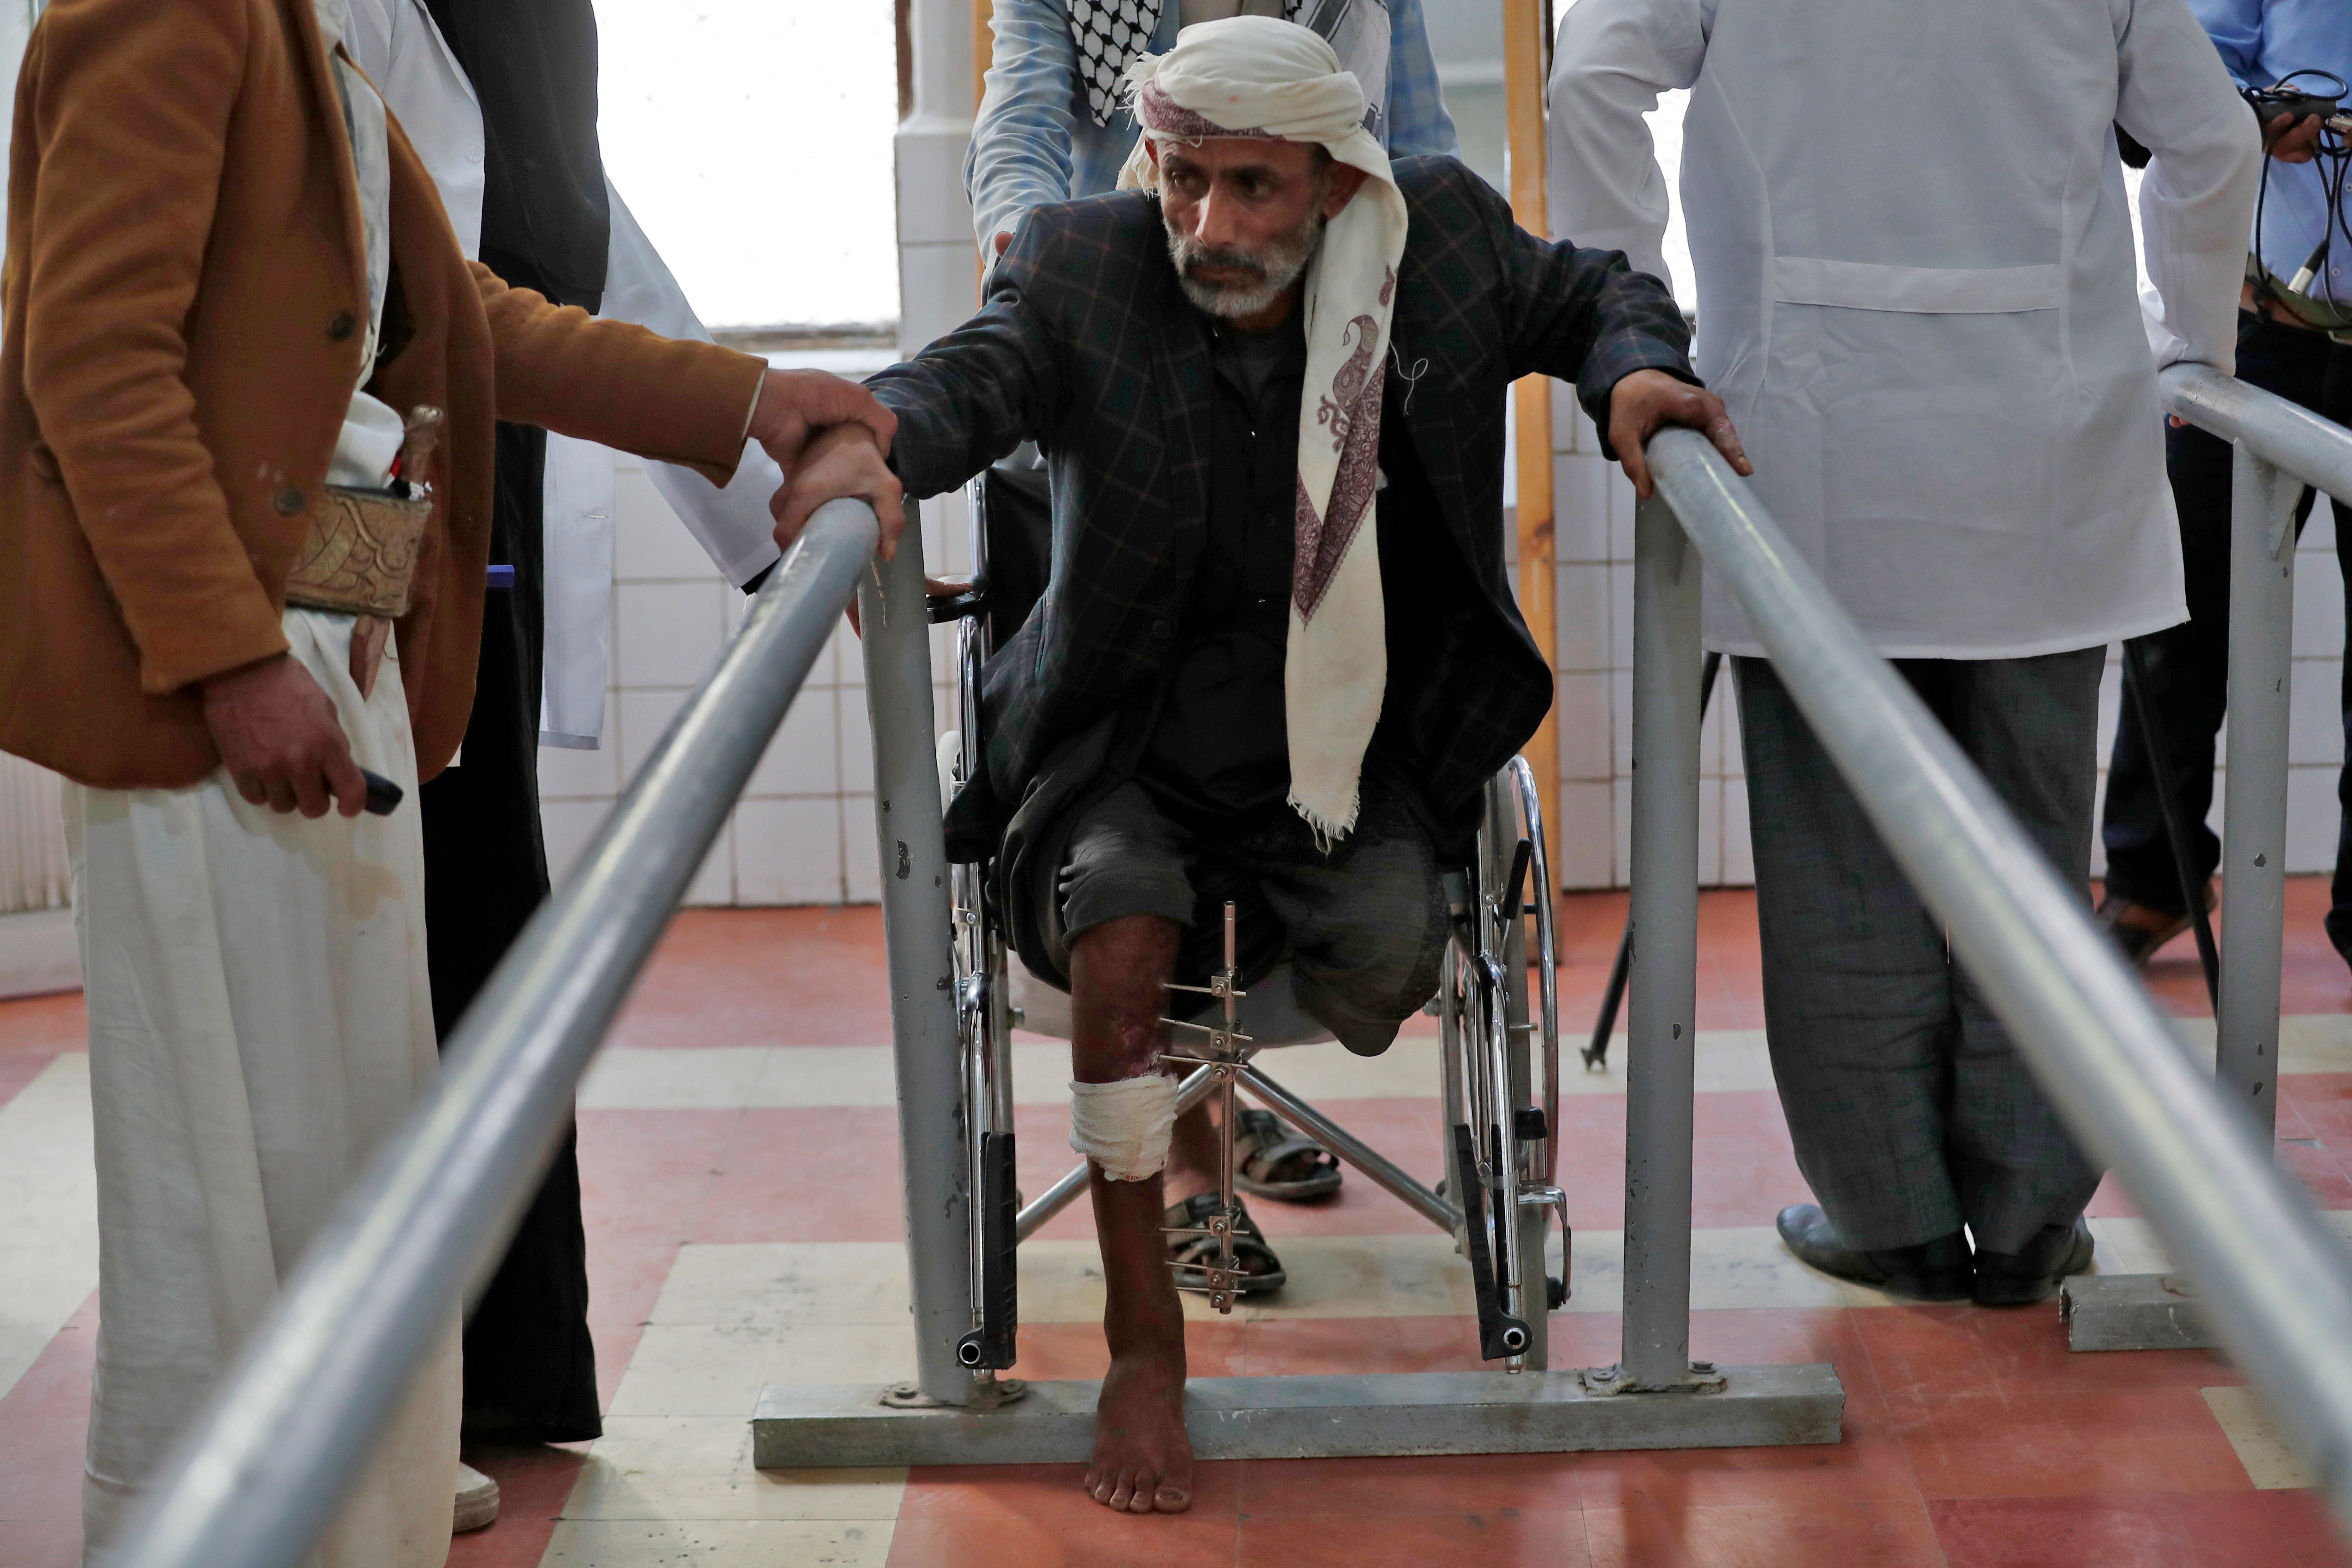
[973, 601]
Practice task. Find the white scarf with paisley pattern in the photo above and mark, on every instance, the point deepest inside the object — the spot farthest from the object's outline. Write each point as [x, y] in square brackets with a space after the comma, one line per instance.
[1256, 76]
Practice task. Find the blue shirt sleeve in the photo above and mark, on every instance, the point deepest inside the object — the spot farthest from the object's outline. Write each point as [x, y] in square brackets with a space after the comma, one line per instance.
[2236, 29]
[1417, 123]
[1021, 139]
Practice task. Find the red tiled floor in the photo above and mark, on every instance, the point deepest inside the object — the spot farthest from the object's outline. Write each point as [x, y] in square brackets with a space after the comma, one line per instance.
[44, 1421]
[1502, 1538]
[2013, 1443]
[1881, 1532]
[532, 1484]
[1972, 1439]
[762, 977]
[2227, 1529]
[33, 1031]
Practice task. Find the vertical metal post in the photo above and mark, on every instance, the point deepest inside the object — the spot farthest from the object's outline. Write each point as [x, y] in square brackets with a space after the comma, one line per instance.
[894, 614]
[1658, 1067]
[2254, 840]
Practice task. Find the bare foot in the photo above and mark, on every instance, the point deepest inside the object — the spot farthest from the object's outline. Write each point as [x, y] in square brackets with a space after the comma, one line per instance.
[1142, 1460]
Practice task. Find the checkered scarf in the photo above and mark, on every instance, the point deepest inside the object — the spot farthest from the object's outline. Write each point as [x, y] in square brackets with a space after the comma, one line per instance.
[1111, 33]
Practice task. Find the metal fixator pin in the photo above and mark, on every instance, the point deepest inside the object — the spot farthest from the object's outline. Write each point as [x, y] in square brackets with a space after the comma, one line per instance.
[1227, 1049]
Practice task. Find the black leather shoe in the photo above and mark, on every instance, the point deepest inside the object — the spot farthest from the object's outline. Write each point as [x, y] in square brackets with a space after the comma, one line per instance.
[1936, 1271]
[2022, 1278]
[2138, 931]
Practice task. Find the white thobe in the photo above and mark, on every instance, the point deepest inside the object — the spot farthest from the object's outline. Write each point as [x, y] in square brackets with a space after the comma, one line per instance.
[260, 1021]
[1916, 285]
[399, 46]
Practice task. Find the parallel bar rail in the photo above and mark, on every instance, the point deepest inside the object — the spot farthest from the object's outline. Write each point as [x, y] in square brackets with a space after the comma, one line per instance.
[2277, 1285]
[254, 1482]
[2281, 447]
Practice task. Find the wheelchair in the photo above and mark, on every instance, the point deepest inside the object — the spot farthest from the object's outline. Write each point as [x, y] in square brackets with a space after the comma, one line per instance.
[1498, 1192]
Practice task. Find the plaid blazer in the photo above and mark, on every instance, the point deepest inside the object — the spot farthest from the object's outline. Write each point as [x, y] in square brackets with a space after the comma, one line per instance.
[1087, 345]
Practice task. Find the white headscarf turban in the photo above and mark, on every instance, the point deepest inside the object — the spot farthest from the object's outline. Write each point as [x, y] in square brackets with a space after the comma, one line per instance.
[1256, 76]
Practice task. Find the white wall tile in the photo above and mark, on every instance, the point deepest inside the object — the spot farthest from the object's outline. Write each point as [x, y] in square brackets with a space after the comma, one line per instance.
[1579, 492]
[670, 632]
[1580, 833]
[567, 826]
[1587, 734]
[1620, 825]
[1583, 618]
[643, 717]
[861, 852]
[1620, 719]
[857, 744]
[714, 883]
[801, 760]
[1620, 615]
[2318, 603]
[2314, 712]
[788, 851]
[648, 541]
[2311, 819]
[566, 773]
[932, 206]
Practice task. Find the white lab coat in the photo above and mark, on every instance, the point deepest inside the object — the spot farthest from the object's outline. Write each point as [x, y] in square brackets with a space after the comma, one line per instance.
[402, 51]
[1916, 285]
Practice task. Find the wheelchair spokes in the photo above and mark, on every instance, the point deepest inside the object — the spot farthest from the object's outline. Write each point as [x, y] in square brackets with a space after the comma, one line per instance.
[1501, 1145]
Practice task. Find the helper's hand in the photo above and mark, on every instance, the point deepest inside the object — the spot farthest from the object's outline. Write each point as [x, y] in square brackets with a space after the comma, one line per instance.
[2292, 141]
[280, 738]
[846, 461]
[1648, 399]
[797, 404]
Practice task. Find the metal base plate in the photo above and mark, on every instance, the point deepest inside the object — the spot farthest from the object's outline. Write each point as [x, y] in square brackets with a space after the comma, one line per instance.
[2132, 1312]
[836, 1425]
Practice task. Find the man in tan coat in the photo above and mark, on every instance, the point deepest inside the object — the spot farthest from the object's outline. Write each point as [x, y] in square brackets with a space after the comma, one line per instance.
[231, 302]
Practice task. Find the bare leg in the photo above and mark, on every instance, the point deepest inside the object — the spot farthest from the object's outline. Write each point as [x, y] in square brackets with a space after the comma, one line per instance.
[1142, 1459]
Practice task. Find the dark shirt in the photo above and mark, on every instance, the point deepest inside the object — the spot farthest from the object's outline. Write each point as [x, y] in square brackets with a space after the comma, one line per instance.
[1219, 747]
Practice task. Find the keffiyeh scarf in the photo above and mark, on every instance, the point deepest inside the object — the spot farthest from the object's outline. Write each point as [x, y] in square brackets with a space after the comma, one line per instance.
[1256, 76]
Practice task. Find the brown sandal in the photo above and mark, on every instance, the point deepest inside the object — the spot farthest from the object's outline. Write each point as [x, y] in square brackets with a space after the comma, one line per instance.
[1262, 1145]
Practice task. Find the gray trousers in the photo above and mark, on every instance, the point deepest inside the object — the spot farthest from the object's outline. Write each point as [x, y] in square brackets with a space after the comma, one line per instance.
[1362, 925]
[1911, 1110]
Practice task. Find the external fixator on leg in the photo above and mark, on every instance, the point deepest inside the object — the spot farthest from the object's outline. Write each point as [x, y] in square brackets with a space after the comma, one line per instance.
[1221, 1056]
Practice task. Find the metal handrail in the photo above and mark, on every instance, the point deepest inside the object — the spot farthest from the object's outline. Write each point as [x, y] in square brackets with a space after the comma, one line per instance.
[257, 1478]
[2316, 450]
[2277, 1284]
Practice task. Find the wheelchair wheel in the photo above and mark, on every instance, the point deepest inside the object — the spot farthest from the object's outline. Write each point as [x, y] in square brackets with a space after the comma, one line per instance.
[1501, 1149]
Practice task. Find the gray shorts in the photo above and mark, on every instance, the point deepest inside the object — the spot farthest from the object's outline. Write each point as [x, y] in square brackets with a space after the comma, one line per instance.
[1362, 927]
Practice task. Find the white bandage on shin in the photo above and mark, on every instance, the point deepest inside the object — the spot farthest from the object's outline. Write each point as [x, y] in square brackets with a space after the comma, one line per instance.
[1124, 1127]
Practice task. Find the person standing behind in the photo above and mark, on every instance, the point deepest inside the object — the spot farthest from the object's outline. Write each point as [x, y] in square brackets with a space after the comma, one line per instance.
[1916, 297]
[2297, 344]
[1053, 123]
[234, 314]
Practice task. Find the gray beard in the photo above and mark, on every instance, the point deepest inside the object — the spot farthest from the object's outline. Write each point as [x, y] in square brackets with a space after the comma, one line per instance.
[1278, 266]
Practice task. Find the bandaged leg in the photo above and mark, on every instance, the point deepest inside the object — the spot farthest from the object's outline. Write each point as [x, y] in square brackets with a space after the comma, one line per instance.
[1125, 1126]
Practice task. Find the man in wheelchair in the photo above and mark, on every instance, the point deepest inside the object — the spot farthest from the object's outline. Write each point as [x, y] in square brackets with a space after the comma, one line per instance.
[1277, 657]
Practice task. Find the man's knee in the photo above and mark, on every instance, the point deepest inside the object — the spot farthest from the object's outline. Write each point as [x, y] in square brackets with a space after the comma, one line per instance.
[1120, 971]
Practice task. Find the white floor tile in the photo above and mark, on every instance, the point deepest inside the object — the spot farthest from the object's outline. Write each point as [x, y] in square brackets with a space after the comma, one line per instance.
[721, 1544]
[2261, 1446]
[48, 1195]
[699, 1468]
[701, 1369]
[755, 1285]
